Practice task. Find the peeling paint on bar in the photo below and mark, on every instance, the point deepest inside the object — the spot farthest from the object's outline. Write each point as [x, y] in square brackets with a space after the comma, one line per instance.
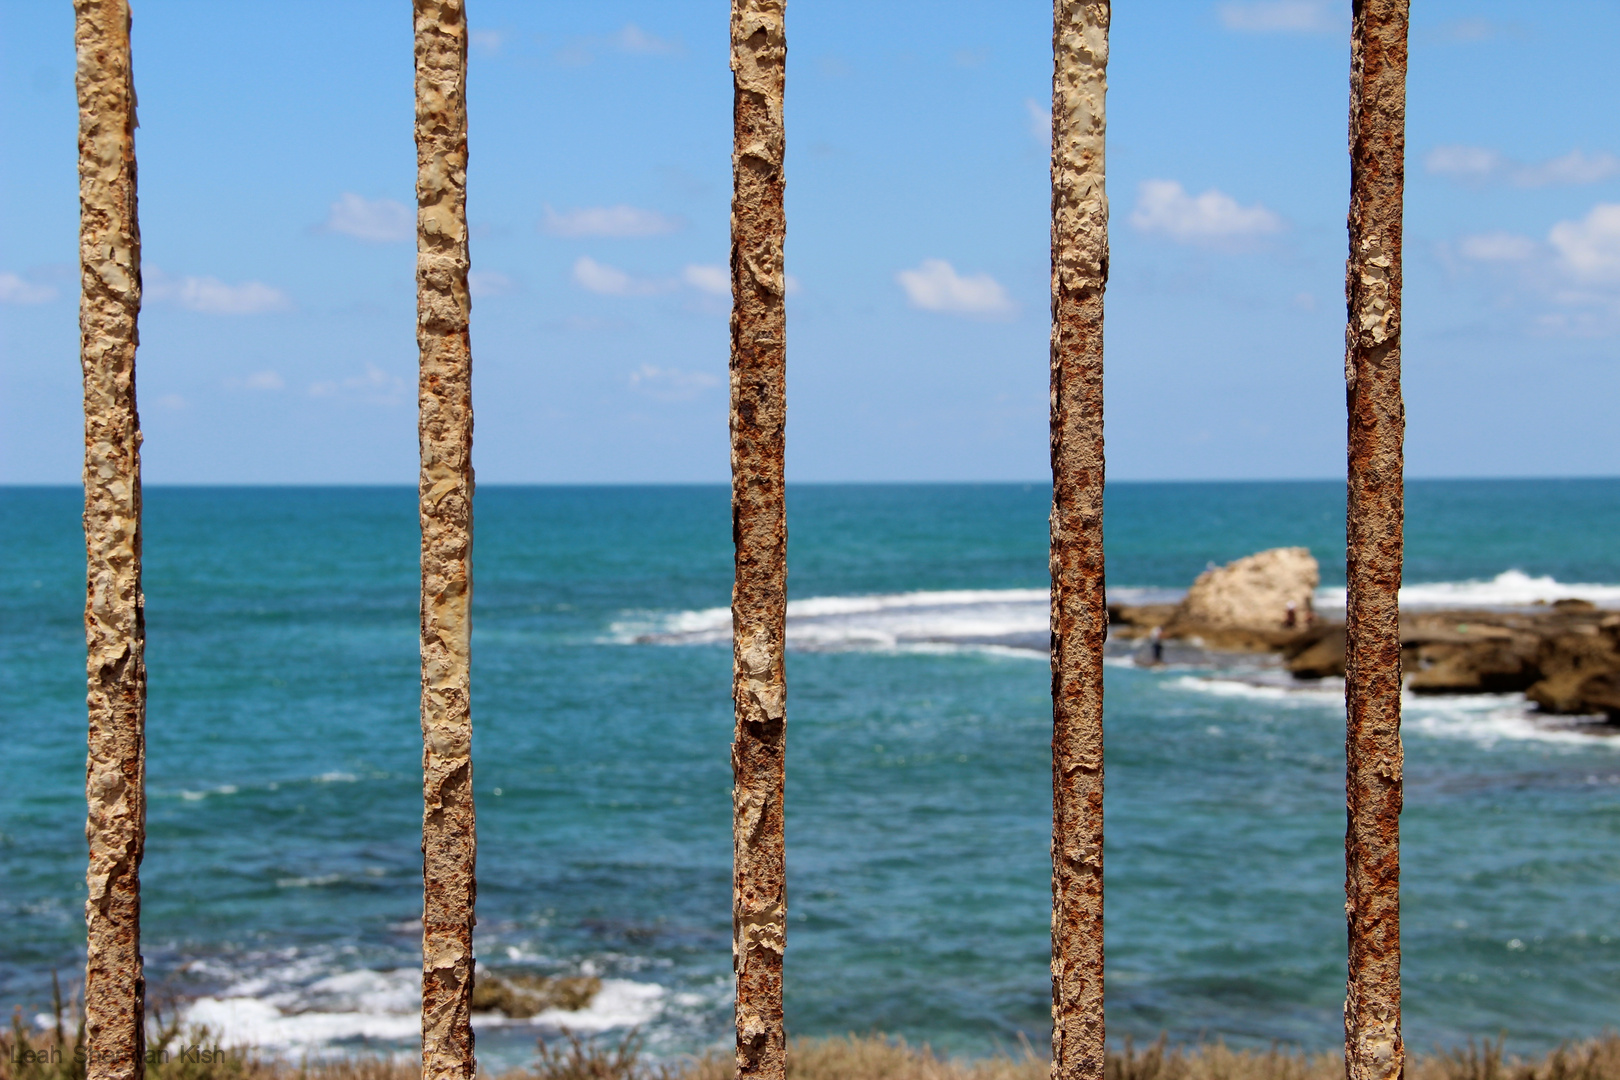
[114, 610]
[1372, 1010]
[444, 309]
[1079, 610]
[759, 531]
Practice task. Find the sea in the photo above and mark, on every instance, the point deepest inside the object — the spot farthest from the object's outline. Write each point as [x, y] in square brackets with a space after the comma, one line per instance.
[282, 877]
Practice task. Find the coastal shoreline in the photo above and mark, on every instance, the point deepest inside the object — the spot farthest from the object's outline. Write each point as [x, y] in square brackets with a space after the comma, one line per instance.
[1564, 656]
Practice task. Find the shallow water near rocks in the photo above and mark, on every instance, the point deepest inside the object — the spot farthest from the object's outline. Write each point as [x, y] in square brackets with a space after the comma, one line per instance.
[282, 876]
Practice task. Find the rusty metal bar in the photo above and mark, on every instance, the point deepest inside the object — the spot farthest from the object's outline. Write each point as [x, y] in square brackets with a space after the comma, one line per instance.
[114, 608]
[1377, 419]
[759, 531]
[1079, 608]
[445, 495]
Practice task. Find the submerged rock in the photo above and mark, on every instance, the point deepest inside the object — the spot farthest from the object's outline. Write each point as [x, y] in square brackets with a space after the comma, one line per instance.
[523, 996]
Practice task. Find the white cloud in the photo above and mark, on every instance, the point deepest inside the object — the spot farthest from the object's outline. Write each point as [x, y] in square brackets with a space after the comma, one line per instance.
[1496, 247]
[377, 221]
[1213, 218]
[597, 278]
[1589, 250]
[1479, 165]
[633, 39]
[489, 41]
[1465, 162]
[1284, 16]
[617, 220]
[17, 290]
[714, 280]
[264, 380]
[375, 387]
[1574, 167]
[1470, 30]
[630, 39]
[936, 286]
[1573, 277]
[611, 281]
[1040, 121]
[670, 384]
[489, 283]
[211, 296]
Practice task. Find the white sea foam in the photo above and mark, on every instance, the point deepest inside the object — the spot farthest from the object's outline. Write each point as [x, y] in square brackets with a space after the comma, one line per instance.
[1483, 719]
[336, 778]
[1489, 719]
[198, 796]
[264, 1012]
[972, 618]
[314, 1017]
[1324, 695]
[1510, 588]
[308, 882]
[1018, 619]
[1012, 622]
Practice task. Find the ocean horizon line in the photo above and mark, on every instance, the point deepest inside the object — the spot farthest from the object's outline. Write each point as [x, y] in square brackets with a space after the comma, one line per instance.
[646, 484]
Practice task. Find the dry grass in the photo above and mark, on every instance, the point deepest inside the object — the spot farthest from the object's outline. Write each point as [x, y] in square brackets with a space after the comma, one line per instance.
[52, 1055]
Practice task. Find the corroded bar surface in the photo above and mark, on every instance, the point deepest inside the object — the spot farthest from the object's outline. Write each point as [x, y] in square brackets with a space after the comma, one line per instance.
[1079, 609]
[445, 492]
[759, 532]
[114, 608]
[1377, 420]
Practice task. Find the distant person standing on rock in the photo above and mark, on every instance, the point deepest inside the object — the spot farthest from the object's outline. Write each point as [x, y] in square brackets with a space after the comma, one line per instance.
[1156, 643]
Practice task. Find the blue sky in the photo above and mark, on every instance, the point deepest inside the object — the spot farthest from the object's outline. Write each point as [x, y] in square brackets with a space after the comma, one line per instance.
[276, 180]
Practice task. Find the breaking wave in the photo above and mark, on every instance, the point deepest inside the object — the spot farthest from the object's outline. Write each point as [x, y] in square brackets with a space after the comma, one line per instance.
[991, 620]
[985, 620]
[308, 1004]
[1482, 719]
[1510, 588]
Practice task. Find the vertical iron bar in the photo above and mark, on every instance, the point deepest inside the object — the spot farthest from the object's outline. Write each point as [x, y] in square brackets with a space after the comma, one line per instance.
[445, 504]
[759, 532]
[114, 609]
[1372, 1010]
[1079, 606]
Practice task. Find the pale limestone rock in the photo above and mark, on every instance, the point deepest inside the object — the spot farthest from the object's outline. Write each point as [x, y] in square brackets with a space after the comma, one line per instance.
[1254, 592]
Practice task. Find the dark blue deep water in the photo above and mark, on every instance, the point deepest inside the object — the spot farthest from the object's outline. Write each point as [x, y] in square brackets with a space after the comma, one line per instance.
[282, 874]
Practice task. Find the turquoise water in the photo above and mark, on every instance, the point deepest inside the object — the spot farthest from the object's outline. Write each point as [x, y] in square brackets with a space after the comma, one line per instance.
[282, 869]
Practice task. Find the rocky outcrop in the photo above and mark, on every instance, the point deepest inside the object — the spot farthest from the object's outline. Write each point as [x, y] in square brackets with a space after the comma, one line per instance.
[1319, 655]
[1259, 603]
[1136, 620]
[522, 996]
[1469, 652]
[1270, 590]
[1580, 671]
[1564, 658]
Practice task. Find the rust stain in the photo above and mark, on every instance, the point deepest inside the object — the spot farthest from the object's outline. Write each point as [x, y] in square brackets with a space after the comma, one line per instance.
[1372, 1010]
[1079, 609]
[114, 609]
[445, 425]
[759, 532]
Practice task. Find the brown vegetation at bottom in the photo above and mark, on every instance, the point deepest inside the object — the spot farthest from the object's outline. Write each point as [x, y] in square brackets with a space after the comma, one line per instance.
[50, 1055]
